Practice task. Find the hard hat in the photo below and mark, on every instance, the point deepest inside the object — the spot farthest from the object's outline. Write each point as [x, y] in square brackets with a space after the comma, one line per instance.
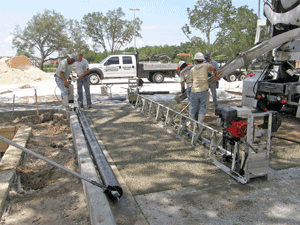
[182, 64]
[199, 56]
[73, 57]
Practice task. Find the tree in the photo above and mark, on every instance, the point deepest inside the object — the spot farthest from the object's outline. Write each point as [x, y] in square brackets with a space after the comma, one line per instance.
[238, 33]
[45, 32]
[206, 16]
[110, 30]
[77, 38]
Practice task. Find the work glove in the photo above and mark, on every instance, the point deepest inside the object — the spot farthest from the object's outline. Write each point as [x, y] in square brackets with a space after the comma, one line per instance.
[182, 90]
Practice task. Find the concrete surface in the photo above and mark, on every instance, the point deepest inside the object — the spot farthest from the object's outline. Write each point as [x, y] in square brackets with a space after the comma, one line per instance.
[98, 206]
[126, 211]
[9, 162]
[173, 184]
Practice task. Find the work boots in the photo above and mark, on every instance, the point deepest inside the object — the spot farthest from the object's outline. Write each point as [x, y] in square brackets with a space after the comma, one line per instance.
[65, 102]
[200, 120]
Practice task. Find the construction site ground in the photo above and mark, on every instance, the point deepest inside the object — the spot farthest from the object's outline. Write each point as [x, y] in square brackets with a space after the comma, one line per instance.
[174, 183]
[170, 181]
[42, 193]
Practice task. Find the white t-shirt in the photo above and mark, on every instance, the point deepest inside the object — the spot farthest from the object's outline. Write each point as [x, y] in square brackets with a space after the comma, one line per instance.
[185, 75]
[81, 67]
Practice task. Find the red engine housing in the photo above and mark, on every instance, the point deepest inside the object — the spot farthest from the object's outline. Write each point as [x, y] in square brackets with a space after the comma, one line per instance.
[238, 129]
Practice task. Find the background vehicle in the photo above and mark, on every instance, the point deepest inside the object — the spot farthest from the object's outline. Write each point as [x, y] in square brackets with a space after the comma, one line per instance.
[126, 66]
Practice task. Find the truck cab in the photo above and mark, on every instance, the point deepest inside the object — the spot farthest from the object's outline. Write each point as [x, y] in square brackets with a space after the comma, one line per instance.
[114, 66]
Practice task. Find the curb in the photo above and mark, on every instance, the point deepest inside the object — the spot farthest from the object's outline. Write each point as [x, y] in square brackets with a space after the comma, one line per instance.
[128, 207]
[12, 159]
[98, 206]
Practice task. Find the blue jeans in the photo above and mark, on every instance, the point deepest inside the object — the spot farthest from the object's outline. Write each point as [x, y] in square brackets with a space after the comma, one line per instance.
[84, 81]
[213, 89]
[198, 103]
[188, 93]
[63, 89]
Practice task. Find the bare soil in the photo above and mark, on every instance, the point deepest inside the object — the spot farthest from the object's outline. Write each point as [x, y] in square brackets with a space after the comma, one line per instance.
[42, 193]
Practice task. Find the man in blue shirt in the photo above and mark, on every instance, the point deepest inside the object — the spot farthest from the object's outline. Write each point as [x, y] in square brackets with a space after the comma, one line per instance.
[214, 86]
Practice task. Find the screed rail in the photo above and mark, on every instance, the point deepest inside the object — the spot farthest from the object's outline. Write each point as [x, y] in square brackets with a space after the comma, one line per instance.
[167, 115]
[211, 138]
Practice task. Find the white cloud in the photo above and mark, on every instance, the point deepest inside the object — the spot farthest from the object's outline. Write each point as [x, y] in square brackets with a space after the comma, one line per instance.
[9, 39]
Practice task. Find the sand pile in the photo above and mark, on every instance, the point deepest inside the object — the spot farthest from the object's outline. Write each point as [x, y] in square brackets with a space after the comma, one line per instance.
[20, 70]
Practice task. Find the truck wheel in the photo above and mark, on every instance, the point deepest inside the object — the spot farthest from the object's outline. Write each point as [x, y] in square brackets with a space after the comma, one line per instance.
[262, 105]
[158, 77]
[242, 76]
[232, 77]
[275, 106]
[94, 78]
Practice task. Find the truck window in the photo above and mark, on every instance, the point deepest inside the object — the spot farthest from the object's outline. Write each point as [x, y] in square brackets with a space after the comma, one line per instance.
[113, 60]
[127, 60]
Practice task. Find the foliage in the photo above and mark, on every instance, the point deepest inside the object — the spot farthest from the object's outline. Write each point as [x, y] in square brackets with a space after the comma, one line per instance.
[77, 38]
[206, 16]
[238, 33]
[110, 31]
[44, 32]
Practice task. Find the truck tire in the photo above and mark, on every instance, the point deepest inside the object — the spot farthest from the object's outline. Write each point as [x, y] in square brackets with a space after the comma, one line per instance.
[275, 106]
[94, 76]
[158, 77]
[242, 76]
[232, 76]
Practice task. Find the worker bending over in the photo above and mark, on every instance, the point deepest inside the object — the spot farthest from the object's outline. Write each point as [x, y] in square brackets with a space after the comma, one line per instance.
[62, 75]
[199, 76]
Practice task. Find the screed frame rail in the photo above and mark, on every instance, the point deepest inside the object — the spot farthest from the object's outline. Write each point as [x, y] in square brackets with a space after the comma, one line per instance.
[166, 115]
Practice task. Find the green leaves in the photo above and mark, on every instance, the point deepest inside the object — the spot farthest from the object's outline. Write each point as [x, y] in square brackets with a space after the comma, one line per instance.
[110, 31]
[46, 32]
[234, 28]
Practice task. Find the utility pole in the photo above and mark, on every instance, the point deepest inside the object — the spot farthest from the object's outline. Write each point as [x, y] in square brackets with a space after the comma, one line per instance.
[258, 9]
[134, 10]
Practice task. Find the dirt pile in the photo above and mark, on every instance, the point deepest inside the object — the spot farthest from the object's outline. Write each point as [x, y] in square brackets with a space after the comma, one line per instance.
[20, 70]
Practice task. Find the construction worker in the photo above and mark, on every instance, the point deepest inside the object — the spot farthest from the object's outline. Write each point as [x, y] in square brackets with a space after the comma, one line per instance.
[62, 75]
[185, 78]
[82, 69]
[213, 87]
[199, 77]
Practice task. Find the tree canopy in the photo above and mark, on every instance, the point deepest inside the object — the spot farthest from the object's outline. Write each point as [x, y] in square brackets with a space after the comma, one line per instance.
[45, 32]
[110, 31]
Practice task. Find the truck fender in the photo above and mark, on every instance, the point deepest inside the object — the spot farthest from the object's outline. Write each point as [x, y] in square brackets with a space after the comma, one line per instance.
[97, 71]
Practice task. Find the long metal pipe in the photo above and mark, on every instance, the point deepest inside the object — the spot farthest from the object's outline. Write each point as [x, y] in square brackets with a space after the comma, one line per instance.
[51, 162]
[105, 171]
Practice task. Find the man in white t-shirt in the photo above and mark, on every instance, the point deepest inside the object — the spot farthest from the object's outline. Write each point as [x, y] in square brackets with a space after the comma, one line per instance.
[82, 69]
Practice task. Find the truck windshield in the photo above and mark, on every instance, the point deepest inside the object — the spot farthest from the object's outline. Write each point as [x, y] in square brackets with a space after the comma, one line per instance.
[104, 60]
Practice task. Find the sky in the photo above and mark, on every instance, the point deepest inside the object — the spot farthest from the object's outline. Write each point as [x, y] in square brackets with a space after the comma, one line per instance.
[162, 19]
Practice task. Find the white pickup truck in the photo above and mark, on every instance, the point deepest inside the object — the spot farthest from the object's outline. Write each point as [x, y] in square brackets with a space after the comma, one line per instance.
[124, 66]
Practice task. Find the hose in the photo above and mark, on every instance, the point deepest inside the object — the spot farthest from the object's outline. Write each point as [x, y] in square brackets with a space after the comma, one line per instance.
[58, 98]
[286, 139]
